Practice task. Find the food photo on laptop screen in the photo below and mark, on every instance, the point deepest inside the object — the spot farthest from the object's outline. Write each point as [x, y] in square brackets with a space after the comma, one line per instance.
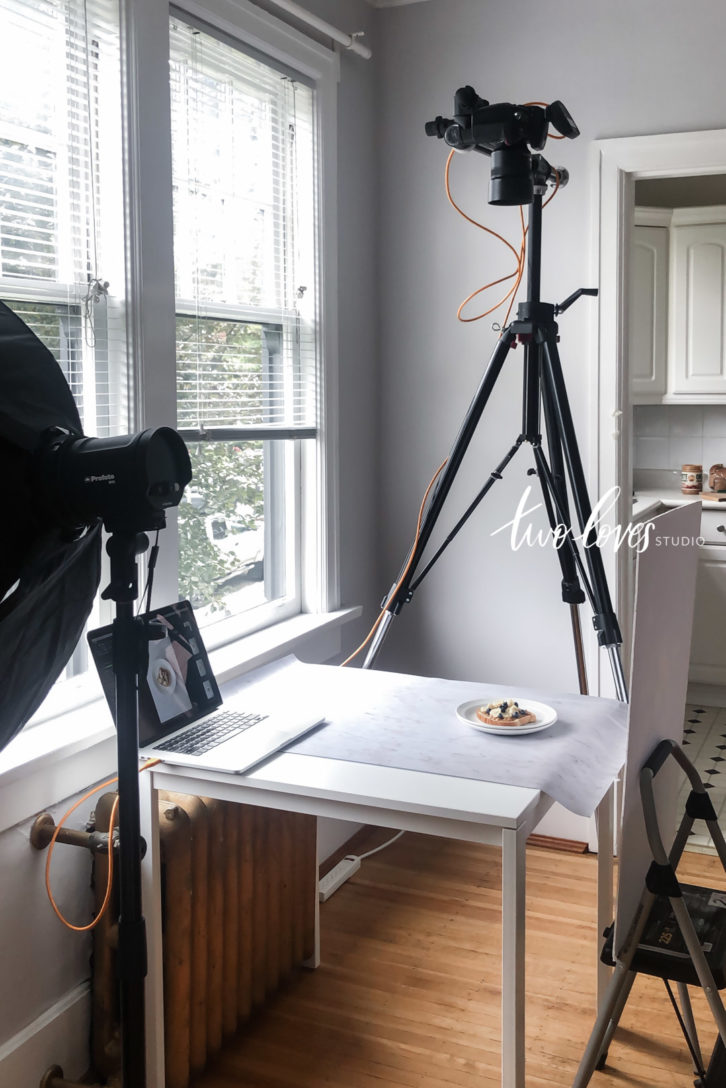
[179, 701]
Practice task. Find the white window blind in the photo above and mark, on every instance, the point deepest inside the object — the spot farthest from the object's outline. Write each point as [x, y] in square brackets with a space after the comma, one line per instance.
[244, 242]
[61, 200]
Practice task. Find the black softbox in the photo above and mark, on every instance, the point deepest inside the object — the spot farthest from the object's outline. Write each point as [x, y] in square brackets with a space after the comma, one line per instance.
[49, 575]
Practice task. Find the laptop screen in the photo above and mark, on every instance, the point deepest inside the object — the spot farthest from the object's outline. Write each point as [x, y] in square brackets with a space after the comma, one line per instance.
[178, 686]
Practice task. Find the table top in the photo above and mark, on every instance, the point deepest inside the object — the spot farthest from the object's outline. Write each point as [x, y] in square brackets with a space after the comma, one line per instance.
[393, 743]
[351, 784]
[399, 721]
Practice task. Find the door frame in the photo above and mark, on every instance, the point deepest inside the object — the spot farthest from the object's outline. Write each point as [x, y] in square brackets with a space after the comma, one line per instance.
[618, 164]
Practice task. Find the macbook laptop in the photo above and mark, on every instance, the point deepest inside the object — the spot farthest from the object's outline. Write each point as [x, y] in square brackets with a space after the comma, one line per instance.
[181, 719]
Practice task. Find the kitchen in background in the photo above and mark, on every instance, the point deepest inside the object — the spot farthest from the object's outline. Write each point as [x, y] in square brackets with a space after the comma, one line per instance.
[677, 352]
[667, 436]
[677, 338]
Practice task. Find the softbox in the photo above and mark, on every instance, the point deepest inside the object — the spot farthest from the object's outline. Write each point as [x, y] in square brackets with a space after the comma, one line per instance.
[49, 575]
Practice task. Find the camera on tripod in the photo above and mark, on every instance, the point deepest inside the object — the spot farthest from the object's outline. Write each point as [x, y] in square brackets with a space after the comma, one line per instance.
[507, 133]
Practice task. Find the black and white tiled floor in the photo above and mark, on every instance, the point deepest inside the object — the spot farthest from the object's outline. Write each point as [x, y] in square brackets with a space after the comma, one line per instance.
[704, 740]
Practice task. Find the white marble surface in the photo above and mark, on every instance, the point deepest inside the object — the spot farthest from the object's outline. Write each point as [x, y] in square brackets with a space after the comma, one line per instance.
[410, 722]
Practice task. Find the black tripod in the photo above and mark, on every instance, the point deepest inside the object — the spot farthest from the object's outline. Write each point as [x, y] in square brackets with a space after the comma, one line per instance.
[544, 398]
[129, 651]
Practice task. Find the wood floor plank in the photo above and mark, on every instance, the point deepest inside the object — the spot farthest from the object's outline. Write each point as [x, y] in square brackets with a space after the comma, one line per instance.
[408, 992]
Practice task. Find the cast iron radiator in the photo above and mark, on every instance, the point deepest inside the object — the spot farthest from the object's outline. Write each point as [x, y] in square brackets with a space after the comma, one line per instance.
[238, 916]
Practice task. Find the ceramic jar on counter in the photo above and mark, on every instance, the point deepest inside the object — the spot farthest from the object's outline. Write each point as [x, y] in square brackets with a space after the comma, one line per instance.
[717, 478]
[691, 479]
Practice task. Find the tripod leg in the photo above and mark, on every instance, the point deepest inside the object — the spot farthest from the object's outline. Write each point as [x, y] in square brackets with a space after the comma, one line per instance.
[401, 592]
[605, 621]
[572, 592]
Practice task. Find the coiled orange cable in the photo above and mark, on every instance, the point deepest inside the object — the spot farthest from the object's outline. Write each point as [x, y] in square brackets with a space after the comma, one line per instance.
[519, 254]
[109, 880]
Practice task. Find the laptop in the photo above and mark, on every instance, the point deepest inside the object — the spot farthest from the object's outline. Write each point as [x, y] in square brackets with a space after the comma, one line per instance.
[181, 719]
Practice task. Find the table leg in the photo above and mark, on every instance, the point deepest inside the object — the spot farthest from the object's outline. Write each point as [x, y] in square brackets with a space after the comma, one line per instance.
[151, 899]
[314, 960]
[513, 940]
[605, 829]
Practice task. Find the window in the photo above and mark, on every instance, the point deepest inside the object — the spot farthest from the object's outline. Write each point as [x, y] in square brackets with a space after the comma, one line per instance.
[61, 234]
[246, 305]
[61, 231]
[208, 320]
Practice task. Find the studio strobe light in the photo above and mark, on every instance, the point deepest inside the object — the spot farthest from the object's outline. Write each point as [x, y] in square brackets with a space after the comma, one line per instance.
[60, 487]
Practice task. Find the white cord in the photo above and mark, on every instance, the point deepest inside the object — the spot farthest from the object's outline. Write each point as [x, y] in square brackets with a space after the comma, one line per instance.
[381, 847]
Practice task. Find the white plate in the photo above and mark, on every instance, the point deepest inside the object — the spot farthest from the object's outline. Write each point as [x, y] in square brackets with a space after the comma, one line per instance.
[546, 716]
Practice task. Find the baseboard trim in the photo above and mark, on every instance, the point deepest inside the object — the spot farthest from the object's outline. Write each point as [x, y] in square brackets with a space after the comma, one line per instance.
[59, 1036]
[565, 846]
[707, 694]
[358, 843]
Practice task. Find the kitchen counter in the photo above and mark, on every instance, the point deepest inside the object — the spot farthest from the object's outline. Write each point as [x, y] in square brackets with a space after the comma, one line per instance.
[646, 503]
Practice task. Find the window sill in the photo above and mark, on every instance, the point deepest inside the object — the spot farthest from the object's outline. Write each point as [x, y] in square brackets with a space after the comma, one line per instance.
[64, 755]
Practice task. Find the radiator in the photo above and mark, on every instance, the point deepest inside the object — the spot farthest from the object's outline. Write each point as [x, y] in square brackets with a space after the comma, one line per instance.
[238, 917]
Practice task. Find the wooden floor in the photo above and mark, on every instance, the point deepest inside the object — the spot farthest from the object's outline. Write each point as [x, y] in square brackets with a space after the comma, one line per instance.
[407, 995]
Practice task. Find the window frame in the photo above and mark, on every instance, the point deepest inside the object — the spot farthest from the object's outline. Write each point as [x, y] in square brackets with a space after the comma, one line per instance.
[150, 289]
[150, 309]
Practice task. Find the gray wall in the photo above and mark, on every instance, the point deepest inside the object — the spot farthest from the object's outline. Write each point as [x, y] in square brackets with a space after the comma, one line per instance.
[358, 313]
[622, 69]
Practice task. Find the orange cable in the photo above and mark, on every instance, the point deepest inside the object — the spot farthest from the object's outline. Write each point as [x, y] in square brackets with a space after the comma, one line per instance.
[405, 571]
[554, 192]
[517, 274]
[54, 838]
[468, 218]
[520, 273]
[511, 294]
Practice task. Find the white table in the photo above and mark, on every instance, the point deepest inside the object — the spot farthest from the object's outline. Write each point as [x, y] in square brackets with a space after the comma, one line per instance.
[453, 807]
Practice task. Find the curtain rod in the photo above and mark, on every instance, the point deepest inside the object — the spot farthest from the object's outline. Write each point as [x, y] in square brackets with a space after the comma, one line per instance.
[350, 41]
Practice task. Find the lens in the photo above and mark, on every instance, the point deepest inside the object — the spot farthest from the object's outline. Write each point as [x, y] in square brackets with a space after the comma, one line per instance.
[511, 177]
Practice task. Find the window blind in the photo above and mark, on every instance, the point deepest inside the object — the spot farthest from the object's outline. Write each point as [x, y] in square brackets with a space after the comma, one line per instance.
[244, 241]
[61, 201]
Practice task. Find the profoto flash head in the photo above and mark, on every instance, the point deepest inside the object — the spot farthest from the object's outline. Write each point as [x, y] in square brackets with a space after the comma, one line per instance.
[509, 134]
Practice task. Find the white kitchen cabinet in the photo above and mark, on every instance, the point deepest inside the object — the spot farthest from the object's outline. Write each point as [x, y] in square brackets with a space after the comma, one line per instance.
[648, 315]
[697, 309]
[708, 645]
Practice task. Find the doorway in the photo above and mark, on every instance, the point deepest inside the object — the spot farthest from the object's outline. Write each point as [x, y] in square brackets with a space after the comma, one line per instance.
[684, 159]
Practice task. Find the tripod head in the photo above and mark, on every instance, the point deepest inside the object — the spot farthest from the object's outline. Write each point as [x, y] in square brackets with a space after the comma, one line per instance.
[507, 133]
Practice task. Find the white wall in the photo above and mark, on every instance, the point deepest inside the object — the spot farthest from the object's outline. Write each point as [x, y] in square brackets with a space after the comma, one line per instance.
[44, 964]
[622, 69]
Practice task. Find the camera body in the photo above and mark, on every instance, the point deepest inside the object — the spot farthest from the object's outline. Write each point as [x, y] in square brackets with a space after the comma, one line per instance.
[508, 133]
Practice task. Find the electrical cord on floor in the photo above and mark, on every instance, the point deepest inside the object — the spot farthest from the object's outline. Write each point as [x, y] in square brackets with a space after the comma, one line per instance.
[383, 846]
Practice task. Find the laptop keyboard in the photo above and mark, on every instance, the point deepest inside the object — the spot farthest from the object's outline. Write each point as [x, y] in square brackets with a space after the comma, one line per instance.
[211, 732]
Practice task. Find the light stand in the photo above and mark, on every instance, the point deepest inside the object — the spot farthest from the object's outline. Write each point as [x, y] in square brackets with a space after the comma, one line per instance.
[129, 650]
[544, 396]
